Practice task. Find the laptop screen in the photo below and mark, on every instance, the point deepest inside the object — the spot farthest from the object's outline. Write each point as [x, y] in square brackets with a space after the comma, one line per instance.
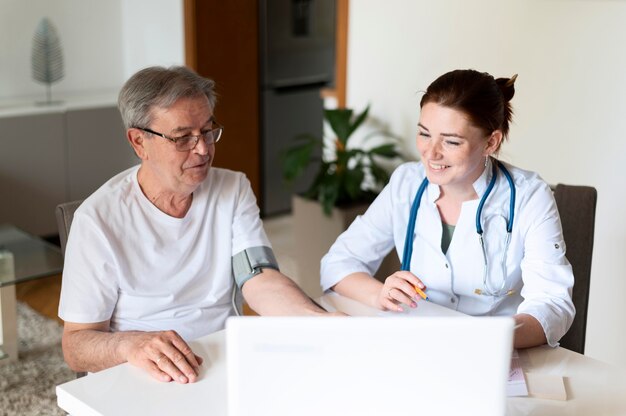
[367, 365]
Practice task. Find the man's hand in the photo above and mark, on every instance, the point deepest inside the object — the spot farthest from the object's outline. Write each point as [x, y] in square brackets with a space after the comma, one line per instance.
[165, 355]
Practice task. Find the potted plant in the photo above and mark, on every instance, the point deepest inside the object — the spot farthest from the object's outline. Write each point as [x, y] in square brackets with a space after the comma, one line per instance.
[348, 180]
[346, 169]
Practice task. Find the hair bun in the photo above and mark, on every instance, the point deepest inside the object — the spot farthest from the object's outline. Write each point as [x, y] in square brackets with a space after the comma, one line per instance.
[511, 81]
[507, 86]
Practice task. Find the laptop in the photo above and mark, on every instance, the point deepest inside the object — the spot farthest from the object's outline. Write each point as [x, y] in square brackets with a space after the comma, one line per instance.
[367, 365]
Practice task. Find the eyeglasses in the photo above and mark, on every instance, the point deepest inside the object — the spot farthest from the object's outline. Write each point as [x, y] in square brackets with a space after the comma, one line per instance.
[186, 143]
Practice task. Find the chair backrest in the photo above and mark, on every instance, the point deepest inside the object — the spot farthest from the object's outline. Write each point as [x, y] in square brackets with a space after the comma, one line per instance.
[577, 208]
[65, 214]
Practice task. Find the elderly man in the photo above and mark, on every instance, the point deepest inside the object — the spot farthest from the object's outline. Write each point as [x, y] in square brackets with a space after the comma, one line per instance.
[151, 255]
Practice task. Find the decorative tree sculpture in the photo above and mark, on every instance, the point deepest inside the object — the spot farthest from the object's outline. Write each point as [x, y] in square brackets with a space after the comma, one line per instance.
[47, 56]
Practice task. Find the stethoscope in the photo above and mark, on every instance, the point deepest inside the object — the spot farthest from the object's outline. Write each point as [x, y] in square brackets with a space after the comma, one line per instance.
[487, 290]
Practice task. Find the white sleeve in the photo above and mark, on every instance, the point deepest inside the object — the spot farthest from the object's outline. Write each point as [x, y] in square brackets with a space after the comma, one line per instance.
[546, 272]
[364, 245]
[247, 228]
[90, 286]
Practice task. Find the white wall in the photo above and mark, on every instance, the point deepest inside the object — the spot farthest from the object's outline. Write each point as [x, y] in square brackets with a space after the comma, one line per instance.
[570, 109]
[104, 42]
[153, 34]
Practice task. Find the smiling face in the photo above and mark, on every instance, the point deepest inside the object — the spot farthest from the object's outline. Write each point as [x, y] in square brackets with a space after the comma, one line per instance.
[452, 149]
[165, 169]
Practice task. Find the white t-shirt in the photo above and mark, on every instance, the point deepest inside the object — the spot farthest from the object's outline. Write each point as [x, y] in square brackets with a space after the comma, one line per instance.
[537, 270]
[129, 262]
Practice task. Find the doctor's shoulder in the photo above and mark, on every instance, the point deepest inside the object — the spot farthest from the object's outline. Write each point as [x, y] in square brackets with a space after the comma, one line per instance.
[403, 183]
[532, 191]
[407, 175]
[526, 180]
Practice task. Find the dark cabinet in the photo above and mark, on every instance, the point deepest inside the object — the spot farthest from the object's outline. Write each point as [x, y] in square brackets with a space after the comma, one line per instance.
[269, 59]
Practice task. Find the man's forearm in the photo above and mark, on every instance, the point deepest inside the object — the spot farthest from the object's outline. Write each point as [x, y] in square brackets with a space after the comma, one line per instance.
[163, 354]
[272, 293]
[94, 350]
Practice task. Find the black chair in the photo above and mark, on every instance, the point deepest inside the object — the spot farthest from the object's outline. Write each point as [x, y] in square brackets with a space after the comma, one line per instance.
[65, 214]
[577, 208]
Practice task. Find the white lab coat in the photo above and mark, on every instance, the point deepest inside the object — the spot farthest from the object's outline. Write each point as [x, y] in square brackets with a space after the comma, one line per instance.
[537, 270]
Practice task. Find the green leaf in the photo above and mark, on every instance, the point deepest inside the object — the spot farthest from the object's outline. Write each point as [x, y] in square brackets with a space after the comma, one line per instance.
[385, 150]
[355, 152]
[381, 177]
[329, 191]
[296, 159]
[353, 180]
[358, 121]
[339, 120]
[343, 158]
[314, 190]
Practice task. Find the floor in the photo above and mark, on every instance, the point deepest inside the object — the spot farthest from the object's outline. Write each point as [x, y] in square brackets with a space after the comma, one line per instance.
[43, 295]
[279, 231]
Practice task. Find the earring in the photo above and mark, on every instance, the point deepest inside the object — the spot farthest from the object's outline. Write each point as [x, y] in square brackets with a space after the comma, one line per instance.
[486, 160]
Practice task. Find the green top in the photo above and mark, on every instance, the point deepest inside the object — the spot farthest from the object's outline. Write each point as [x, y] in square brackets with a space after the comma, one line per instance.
[446, 236]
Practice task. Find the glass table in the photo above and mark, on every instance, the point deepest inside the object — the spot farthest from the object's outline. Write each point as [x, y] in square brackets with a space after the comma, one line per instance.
[23, 257]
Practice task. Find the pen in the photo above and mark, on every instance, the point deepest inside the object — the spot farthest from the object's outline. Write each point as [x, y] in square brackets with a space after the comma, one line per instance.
[421, 293]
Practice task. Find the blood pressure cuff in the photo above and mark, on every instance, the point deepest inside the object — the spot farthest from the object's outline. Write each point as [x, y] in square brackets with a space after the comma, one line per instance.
[251, 261]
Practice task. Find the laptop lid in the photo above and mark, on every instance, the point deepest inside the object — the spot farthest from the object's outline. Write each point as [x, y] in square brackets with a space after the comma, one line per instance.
[367, 365]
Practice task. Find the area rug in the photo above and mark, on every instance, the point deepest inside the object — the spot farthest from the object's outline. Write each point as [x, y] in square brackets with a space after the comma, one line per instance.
[27, 387]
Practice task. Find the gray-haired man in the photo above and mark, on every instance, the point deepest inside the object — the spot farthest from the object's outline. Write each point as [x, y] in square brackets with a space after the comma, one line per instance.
[151, 254]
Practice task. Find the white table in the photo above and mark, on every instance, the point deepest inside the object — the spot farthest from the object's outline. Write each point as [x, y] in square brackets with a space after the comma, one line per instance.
[593, 388]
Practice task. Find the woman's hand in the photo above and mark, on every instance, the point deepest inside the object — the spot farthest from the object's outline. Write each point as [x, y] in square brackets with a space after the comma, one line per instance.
[399, 288]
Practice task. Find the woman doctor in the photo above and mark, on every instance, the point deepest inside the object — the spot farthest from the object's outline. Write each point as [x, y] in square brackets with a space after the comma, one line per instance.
[464, 118]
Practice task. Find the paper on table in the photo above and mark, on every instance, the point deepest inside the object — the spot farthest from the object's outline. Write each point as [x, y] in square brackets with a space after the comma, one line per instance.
[516, 385]
[546, 386]
[331, 301]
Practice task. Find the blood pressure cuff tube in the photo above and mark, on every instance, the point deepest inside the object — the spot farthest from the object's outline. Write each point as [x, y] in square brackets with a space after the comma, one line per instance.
[251, 261]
